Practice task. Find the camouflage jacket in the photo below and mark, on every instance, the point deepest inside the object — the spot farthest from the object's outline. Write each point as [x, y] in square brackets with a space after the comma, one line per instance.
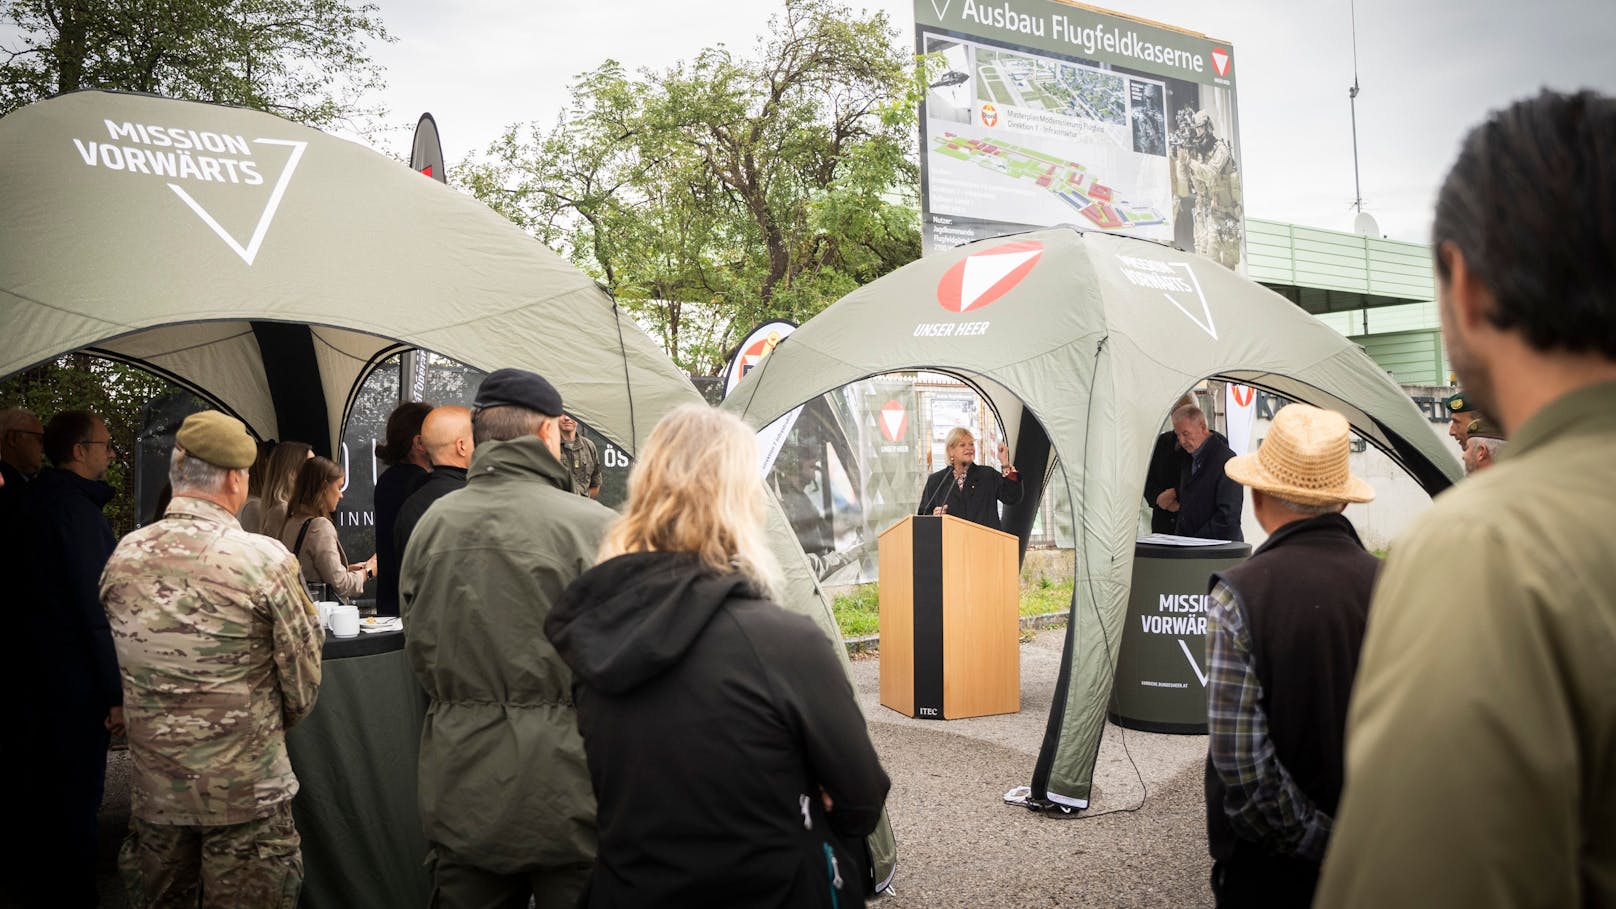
[219, 650]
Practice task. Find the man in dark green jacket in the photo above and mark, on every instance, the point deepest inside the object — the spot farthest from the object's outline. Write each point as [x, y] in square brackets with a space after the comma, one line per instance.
[505, 796]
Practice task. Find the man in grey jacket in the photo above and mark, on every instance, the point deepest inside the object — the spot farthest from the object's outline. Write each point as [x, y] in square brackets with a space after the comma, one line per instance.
[505, 796]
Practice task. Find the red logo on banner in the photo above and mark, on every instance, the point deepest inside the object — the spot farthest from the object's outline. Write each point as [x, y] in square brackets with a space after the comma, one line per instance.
[893, 421]
[1220, 61]
[977, 280]
[1244, 394]
[990, 115]
[427, 170]
[754, 355]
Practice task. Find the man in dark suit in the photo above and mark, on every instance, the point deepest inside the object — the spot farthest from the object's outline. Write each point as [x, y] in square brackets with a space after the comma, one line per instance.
[969, 490]
[1209, 503]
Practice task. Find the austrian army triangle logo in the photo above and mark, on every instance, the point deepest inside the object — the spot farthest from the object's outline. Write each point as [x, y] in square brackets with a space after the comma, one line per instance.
[893, 421]
[983, 277]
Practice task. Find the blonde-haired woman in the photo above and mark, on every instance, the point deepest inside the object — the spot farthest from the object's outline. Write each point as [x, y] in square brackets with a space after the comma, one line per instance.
[724, 742]
[969, 490]
[280, 472]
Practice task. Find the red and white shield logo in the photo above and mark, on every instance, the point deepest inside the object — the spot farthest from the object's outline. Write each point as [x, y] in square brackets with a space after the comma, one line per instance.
[980, 278]
[1220, 61]
[893, 421]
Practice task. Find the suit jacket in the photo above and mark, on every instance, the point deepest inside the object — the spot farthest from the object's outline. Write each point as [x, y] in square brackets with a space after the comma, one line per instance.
[1167, 460]
[978, 502]
[1209, 503]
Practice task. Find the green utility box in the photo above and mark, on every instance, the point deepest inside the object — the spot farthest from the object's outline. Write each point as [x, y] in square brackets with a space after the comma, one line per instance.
[1160, 684]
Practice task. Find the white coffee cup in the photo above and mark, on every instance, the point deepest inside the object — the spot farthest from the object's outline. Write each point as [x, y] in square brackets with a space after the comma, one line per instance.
[326, 609]
[345, 621]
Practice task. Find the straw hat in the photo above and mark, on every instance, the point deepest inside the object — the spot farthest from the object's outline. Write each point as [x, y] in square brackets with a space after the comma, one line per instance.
[1303, 459]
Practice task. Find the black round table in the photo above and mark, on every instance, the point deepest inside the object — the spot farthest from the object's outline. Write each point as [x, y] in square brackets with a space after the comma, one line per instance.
[1161, 675]
[355, 757]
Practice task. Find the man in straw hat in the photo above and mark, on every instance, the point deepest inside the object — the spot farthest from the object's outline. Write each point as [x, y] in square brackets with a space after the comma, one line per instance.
[1284, 629]
[220, 655]
[1482, 743]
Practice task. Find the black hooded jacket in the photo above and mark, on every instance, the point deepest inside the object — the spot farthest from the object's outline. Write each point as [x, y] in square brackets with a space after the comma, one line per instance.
[709, 716]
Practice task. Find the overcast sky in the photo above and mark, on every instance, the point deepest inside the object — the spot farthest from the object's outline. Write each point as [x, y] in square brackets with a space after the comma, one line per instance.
[1428, 69]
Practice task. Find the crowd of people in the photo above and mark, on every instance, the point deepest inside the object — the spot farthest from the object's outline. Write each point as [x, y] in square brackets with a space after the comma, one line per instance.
[545, 737]
[621, 714]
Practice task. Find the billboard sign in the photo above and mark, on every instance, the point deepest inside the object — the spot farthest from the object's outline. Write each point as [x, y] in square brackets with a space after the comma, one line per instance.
[1047, 113]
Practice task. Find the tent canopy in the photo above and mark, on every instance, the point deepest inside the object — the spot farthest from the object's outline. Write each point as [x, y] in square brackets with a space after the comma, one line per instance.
[1081, 343]
[176, 235]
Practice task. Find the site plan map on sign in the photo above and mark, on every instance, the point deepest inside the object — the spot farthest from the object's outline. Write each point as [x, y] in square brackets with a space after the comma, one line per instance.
[1040, 113]
[1059, 141]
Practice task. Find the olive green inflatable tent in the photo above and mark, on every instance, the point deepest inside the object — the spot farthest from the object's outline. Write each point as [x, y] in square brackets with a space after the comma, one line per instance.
[1081, 342]
[270, 267]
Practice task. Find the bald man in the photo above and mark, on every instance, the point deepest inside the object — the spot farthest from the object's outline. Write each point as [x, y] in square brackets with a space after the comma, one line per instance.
[446, 436]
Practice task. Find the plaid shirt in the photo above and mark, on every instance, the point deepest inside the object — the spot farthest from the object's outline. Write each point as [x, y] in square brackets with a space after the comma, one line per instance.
[1263, 803]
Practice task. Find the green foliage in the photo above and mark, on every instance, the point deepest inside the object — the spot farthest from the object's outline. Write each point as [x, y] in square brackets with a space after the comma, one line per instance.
[116, 392]
[730, 189]
[858, 611]
[306, 60]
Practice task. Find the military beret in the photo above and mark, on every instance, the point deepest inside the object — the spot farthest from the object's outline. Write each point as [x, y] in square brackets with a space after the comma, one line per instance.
[1457, 403]
[1483, 428]
[520, 388]
[219, 439]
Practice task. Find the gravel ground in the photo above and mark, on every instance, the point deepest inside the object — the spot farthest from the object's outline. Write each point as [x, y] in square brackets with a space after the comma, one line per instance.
[959, 844]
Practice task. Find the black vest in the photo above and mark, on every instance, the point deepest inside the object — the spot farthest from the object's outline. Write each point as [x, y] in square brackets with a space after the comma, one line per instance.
[1305, 598]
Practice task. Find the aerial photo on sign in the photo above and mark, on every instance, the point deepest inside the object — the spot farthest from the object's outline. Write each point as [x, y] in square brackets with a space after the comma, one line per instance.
[1043, 113]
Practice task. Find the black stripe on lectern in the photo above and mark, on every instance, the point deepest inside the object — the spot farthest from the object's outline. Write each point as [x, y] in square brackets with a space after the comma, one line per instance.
[928, 606]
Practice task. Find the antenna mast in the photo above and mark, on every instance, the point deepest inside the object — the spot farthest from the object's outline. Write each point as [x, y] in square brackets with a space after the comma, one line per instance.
[1352, 101]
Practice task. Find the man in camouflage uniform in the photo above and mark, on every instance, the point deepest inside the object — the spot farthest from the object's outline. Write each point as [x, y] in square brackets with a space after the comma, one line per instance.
[1204, 168]
[220, 655]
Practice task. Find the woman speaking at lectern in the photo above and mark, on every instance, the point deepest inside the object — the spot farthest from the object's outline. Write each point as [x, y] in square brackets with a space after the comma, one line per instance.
[969, 490]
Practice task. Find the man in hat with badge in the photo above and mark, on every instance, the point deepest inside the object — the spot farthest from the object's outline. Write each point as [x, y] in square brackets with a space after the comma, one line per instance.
[1461, 413]
[219, 650]
[1283, 633]
[505, 797]
[1484, 442]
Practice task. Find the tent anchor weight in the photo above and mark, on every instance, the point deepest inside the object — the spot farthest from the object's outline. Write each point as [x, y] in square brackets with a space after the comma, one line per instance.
[1023, 797]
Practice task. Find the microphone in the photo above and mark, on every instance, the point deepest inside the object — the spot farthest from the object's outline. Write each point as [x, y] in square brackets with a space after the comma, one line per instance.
[926, 508]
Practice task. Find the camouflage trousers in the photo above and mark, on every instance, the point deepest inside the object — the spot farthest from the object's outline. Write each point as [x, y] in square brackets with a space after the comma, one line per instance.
[257, 863]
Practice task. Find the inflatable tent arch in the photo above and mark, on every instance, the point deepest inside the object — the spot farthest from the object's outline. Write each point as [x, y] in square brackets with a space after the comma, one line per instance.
[270, 266]
[1081, 342]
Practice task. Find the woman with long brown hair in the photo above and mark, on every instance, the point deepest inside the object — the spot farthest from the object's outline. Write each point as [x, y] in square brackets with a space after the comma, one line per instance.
[307, 531]
[726, 749]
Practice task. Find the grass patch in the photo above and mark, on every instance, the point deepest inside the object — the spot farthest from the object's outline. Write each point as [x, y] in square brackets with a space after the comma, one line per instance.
[858, 612]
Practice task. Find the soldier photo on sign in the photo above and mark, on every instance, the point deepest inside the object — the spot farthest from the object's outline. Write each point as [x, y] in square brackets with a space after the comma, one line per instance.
[1206, 181]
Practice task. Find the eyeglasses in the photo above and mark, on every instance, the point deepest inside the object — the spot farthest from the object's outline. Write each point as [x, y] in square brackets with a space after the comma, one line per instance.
[112, 447]
[29, 432]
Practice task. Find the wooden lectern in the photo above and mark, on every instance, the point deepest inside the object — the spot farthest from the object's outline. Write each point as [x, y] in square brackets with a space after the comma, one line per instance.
[950, 627]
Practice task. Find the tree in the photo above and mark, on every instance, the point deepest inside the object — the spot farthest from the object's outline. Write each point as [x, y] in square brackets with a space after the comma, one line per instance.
[732, 189]
[306, 60]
